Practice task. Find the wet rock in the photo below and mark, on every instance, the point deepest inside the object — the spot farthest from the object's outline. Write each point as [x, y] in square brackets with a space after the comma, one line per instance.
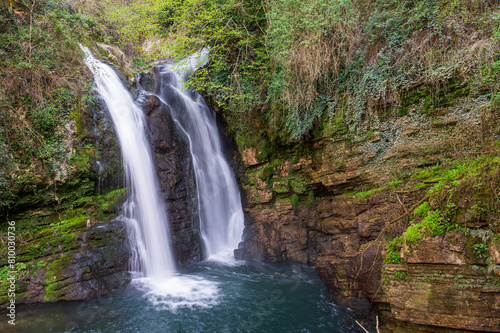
[95, 264]
[176, 178]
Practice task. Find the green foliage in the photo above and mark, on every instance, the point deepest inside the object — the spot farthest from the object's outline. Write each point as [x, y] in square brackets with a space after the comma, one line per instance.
[43, 86]
[401, 275]
[134, 21]
[413, 234]
[434, 224]
[251, 65]
[464, 199]
[423, 209]
[481, 250]
[305, 41]
[232, 30]
[299, 62]
[392, 258]
[393, 251]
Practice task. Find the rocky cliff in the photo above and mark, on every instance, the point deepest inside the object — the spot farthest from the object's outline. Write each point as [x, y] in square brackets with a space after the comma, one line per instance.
[68, 246]
[339, 201]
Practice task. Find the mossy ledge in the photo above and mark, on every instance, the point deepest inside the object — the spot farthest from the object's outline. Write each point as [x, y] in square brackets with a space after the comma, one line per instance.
[72, 254]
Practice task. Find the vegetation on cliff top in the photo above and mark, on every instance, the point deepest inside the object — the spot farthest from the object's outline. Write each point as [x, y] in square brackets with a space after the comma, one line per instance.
[45, 96]
[298, 61]
[43, 92]
[277, 68]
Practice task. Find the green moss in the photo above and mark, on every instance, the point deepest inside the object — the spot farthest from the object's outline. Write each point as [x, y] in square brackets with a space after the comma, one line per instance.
[299, 185]
[266, 172]
[52, 276]
[413, 234]
[433, 224]
[366, 194]
[283, 199]
[437, 121]
[311, 200]
[280, 188]
[44, 237]
[110, 202]
[423, 209]
[294, 199]
[76, 116]
[332, 127]
[277, 163]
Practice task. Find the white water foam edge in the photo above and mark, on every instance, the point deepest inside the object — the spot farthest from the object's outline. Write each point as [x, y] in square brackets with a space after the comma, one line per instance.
[178, 291]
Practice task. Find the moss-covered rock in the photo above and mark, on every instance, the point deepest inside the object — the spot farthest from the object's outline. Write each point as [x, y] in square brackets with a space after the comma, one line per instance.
[69, 254]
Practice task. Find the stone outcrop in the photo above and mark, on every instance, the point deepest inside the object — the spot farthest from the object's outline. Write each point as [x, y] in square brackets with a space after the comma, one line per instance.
[300, 207]
[80, 263]
[442, 281]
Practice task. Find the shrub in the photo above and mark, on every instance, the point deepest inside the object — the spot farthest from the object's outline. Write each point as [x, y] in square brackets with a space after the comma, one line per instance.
[481, 250]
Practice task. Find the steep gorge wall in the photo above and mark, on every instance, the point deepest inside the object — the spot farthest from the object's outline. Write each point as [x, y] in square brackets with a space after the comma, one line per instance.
[302, 206]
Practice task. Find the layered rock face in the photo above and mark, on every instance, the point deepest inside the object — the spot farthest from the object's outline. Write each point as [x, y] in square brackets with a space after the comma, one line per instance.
[304, 209]
[442, 281]
[93, 263]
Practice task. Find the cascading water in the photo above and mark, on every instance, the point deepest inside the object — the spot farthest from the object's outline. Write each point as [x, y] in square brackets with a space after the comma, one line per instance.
[144, 204]
[144, 211]
[221, 213]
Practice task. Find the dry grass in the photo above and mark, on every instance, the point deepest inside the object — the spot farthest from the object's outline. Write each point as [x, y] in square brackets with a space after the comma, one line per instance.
[313, 55]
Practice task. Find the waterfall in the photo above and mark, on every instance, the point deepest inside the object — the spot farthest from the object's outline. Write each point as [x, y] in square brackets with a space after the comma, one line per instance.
[148, 221]
[221, 213]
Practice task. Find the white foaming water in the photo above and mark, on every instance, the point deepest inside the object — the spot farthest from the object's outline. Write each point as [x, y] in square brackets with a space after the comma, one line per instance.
[221, 213]
[144, 212]
[179, 292]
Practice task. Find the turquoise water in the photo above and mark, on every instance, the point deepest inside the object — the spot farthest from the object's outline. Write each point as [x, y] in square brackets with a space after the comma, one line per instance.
[239, 298]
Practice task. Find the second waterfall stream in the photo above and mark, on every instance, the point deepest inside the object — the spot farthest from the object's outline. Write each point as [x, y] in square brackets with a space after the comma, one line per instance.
[221, 214]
